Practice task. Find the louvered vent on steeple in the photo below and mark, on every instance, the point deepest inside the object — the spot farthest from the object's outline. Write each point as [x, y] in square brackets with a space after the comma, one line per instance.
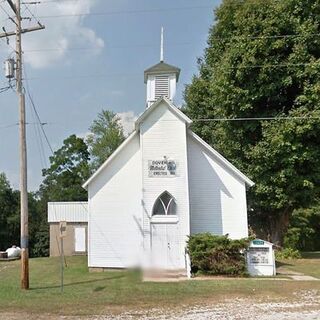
[161, 87]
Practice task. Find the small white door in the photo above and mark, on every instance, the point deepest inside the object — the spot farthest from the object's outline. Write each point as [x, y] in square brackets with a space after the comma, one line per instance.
[165, 246]
[159, 246]
[80, 239]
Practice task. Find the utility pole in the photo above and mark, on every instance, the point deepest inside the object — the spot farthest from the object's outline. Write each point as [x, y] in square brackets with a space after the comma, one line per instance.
[23, 157]
[23, 144]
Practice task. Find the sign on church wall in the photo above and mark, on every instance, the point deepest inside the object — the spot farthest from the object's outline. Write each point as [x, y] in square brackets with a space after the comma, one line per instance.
[162, 168]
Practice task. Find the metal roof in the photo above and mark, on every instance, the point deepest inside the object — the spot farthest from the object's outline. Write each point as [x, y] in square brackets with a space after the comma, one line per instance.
[68, 211]
[161, 68]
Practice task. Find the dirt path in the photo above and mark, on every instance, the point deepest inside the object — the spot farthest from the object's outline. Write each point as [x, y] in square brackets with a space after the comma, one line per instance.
[305, 306]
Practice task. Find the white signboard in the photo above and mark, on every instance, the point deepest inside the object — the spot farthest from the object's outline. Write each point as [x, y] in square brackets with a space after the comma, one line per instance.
[162, 168]
[258, 255]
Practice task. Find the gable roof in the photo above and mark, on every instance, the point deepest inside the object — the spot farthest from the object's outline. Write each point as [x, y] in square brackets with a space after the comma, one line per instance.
[143, 116]
[217, 155]
[185, 119]
[171, 107]
[161, 68]
[113, 155]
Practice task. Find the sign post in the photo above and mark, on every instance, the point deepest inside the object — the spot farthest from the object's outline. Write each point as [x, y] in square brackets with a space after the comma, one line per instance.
[63, 232]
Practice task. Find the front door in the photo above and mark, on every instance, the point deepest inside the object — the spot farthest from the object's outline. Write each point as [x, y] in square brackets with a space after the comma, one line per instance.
[165, 246]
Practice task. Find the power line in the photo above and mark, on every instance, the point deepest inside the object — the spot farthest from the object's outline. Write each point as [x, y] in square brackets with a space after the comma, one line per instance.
[39, 120]
[124, 12]
[195, 120]
[280, 36]
[67, 77]
[6, 12]
[36, 113]
[108, 47]
[256, 119]
[278, 65]
[286, 36]
[4, 89]
[39, 142]
[36, 19]
[88, 76]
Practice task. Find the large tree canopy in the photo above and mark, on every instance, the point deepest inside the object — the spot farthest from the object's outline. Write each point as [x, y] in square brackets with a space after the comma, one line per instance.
[262, 60]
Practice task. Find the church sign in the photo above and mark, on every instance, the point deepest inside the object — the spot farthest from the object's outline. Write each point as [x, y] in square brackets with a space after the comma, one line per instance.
[162, 168]
[258, 255]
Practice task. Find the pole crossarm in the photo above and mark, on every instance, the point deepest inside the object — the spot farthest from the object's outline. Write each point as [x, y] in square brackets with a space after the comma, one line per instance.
[14, 33]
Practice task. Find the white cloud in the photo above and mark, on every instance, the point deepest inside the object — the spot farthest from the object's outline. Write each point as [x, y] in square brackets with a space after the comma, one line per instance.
[84, 135]
[127, 120]
[60, 33]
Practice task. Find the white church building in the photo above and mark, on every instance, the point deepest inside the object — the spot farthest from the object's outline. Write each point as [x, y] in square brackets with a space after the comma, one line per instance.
[163, 184]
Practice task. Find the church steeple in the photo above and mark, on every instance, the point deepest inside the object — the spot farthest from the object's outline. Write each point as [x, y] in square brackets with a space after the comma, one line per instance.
[161, 79]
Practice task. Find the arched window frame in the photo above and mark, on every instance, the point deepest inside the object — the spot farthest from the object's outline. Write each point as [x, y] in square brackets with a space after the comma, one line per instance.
[166, 209]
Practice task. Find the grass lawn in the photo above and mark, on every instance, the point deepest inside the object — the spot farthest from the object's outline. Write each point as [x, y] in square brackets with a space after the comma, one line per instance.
[117, 291]
[309, 264]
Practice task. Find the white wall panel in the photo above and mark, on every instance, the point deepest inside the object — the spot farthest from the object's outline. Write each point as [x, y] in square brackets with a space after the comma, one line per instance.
[115, 233]
[217, 195]
[164, 134]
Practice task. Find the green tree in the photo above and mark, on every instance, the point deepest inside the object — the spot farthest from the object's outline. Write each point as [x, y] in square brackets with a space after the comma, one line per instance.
[304, 230]
[69, 168]
[10, 220]
[106, 135]
[9, 214]
[262, 60]
[38, 227]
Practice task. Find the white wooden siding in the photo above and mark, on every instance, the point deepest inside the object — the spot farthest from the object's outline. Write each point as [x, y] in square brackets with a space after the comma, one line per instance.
[67, 211]
[163, 133]
[115, 233]
[217, 195]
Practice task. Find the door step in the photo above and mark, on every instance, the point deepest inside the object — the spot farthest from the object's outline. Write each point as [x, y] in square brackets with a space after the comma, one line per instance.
[165, 275]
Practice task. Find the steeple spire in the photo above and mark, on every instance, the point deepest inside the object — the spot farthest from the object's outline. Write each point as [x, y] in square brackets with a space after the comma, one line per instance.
[161, 79]
[161, 47]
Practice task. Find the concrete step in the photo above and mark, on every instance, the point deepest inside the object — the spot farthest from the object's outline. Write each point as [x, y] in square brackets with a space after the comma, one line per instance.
[162, 275]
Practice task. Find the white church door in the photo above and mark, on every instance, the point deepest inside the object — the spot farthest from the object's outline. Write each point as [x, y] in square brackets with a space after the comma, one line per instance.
[165, 246]
[164, 233]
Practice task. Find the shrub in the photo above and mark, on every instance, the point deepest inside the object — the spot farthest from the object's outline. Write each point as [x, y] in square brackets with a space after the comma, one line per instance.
[304, 230]
[287, 253]
[217, 255]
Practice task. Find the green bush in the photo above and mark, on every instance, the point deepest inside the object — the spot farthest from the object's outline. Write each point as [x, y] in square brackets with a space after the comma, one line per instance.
[287, 253]
[304, 230]
[217, 255]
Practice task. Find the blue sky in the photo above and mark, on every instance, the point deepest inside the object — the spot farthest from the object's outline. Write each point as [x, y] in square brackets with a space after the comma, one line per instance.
[80, 65]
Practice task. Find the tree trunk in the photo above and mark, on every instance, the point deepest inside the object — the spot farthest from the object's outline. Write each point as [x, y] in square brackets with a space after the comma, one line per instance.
[279, 223]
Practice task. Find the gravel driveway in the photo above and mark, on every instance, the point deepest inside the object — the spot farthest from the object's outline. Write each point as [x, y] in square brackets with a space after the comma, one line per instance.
[306, 306]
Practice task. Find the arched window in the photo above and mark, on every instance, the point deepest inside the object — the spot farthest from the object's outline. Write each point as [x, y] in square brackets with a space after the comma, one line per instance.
[165, 205]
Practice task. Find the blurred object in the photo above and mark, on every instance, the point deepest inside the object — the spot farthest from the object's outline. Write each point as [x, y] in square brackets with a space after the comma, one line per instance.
[13, 252]
[3, 255]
